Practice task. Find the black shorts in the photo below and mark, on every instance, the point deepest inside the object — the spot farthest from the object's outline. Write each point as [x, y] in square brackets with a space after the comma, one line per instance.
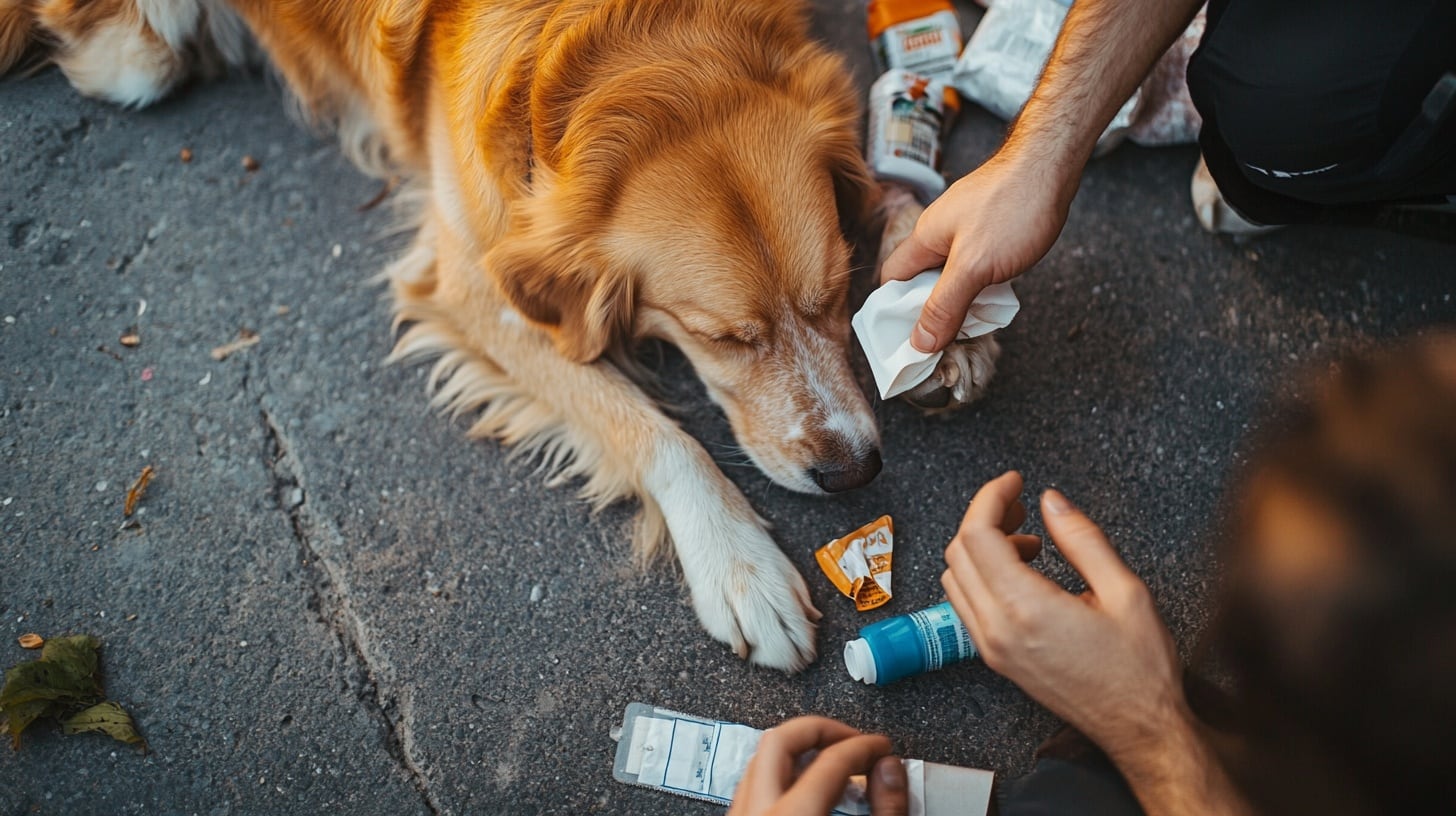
[1327, 110]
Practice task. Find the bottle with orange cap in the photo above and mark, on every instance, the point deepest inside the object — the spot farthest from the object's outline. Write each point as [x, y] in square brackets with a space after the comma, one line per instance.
[911, 105]
[922, 36]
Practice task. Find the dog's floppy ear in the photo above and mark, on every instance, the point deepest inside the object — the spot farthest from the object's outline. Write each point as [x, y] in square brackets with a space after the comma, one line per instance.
[823, 83]
[17, 21]
[564, 286]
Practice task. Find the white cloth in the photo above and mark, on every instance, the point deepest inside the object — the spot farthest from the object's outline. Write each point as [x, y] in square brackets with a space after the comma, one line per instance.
[888, 316]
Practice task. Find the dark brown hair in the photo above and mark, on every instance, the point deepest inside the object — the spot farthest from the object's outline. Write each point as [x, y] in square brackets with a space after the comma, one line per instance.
[1360, 716]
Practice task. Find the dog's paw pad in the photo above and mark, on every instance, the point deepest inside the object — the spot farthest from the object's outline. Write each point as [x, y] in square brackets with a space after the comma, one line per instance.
[960, 378]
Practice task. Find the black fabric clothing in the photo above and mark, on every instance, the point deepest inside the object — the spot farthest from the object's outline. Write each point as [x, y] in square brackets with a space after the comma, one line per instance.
[1071, 776]
[1327, 110]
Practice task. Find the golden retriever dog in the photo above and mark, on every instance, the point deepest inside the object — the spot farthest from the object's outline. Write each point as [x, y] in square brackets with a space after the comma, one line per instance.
[589, 174]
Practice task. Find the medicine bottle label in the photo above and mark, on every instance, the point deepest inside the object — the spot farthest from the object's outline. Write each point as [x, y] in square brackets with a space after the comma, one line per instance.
[946, 639]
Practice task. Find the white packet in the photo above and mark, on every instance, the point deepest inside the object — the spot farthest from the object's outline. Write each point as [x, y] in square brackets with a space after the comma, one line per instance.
[704, 759]
[1002, 62]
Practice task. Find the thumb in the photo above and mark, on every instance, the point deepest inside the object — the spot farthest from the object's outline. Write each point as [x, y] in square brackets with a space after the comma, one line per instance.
[945, 310]
[889, 788]
[910, 258]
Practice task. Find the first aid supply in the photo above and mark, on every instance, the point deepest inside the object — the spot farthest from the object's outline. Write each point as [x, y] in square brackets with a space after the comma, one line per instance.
[859, 564]
[883, 326]
[920, 36]
[907, 117]
[704, 759]
[910, 644]
[1004, 58]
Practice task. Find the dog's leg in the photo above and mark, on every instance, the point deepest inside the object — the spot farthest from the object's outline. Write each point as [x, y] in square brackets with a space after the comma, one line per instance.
[591, 421]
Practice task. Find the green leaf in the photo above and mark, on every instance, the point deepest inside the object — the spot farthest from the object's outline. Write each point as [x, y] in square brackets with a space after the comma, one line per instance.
[66, 671]
[108, 718]
[17, 717]
[76, 652]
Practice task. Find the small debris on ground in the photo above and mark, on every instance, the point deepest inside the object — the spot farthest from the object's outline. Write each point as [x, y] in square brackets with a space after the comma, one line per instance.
[246, 338]
[137, 489]
[65, 685]
[147, 374]
[31, 640]
[130, 338]
[251, 164]
[185, 154]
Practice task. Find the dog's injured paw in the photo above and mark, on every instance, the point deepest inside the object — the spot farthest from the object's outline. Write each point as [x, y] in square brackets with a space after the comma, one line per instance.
[960, 378]
[934, 383]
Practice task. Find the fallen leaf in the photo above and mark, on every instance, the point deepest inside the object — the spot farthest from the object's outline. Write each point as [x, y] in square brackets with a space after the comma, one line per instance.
[246, 338]
[130, 338]
[250, 164]
[139, 487]
[31, 640]
[63, 684]
[65, 672]
[185, 155]
[107, 718]
[20, 715]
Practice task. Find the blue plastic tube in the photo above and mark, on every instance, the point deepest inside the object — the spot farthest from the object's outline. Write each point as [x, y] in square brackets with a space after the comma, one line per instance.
[908, 644]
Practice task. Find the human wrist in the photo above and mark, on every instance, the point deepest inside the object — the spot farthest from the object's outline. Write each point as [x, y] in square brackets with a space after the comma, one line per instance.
[1051, 165]
[1172, 769]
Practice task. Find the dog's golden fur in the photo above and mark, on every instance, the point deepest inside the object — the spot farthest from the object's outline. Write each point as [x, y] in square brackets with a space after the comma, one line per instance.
[595, 172]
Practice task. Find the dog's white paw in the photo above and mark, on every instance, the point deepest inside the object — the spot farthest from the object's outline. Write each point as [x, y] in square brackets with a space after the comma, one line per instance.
[960, 378]
[760, 606]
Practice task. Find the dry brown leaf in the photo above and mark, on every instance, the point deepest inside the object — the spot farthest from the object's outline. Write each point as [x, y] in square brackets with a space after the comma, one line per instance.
[31, 640]
[134, 493]
[251, 164]
[185, 155]
[130, 338]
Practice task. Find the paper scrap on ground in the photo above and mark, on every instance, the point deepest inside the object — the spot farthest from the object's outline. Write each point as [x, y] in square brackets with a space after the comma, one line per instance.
[859, 564]
[884, 323]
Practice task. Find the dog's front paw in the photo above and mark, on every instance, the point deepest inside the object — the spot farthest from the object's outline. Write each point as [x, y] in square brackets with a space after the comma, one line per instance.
[960, 378]
[760, 606]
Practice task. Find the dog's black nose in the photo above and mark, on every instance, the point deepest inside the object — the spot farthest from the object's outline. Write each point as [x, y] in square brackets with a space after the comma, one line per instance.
[839, 477]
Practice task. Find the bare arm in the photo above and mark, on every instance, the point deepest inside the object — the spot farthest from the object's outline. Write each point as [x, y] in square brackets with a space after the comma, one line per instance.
[993, 224]
[1101, 660]
[1105, 49]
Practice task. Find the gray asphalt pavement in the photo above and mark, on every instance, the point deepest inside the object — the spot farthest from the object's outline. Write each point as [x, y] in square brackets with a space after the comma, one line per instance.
[333, 602]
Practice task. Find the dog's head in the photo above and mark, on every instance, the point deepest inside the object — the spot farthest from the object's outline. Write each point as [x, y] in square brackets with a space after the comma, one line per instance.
[713, 218]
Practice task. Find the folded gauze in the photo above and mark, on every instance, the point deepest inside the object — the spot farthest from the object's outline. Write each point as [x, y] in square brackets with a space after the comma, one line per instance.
[889, 314]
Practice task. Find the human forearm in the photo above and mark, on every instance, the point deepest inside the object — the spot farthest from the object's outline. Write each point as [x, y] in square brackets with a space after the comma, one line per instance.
[1105, 49]
[1173, 771]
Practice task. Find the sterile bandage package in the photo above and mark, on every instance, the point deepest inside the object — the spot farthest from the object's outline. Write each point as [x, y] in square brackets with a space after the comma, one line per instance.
[889, 314]
[1003, 60]
[704, 759]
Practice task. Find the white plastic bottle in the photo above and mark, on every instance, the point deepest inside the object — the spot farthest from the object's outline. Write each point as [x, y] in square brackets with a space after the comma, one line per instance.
[907, 115]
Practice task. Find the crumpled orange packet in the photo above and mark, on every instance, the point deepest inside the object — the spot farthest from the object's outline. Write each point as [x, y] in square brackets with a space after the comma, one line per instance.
[859, 564]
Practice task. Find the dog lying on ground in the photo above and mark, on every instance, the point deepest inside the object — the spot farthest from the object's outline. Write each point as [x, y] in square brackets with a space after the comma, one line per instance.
[590, 173]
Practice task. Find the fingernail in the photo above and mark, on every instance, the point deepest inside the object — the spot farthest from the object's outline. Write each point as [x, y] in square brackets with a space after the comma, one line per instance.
[922, 340]
[1057, 503]
[891, 774]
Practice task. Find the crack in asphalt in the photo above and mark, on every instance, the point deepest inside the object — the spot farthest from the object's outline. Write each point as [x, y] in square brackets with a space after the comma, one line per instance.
[331, 603]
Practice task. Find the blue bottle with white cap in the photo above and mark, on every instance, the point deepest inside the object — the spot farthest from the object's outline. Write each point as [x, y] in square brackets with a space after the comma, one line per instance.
[898, 647]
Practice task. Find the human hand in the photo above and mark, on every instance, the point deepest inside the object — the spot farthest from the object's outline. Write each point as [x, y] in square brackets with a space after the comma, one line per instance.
[772, 785]
[1102, 660]
[989, 227]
